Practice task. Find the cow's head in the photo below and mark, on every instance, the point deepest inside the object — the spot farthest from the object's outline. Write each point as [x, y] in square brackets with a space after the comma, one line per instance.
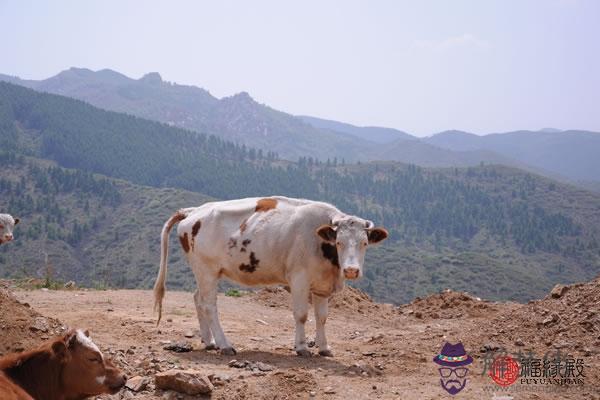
[351, 235]
[7, 224]
[85, 371]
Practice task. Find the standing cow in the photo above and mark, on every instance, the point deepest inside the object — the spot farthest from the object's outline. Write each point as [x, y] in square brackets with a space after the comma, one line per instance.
[7, 224]
[309, 246]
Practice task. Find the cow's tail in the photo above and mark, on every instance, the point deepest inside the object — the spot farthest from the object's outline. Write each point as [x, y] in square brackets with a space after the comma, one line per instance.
[159, 285]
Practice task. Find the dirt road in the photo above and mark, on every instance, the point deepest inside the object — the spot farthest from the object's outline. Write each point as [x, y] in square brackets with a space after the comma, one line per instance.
[380, 351]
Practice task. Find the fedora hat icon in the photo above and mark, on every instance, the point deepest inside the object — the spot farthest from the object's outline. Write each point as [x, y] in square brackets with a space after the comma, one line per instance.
[453, 355]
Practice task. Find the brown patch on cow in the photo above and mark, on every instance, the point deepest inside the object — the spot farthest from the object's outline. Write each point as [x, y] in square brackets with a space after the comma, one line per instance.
[265, 204]
[243, 225]
[185, 244]
[231, 243]
[196, 228]
[330, 253]
[253, 264]
[303, 319]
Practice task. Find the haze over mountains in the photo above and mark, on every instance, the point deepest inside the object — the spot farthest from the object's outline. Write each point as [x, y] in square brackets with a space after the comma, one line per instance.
[569, 155]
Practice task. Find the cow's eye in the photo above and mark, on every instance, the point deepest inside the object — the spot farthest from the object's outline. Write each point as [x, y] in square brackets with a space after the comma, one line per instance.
[339, 243]
[364, 243]
[96, 360]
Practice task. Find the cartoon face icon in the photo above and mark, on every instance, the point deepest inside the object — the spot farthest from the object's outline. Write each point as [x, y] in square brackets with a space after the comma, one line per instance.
[453, 380]
[452, 362]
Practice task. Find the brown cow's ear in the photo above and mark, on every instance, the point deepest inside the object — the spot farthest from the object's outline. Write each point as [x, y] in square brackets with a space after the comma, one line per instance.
[71, 339]
[86, 333]
[327, 233]
[376, 235]
[17, 220]
[59, 348]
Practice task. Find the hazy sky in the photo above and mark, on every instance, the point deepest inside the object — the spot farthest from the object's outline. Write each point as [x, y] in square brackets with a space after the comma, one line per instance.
[419, 66]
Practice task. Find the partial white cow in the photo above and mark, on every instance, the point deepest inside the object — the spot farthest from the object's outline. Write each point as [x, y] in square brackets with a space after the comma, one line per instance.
[7, 225]
[309, 246]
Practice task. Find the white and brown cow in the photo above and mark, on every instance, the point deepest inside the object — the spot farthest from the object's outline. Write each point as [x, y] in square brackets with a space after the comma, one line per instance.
[7, 225]
[309, 246]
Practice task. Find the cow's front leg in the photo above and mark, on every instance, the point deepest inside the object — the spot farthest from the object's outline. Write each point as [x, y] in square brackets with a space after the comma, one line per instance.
[299, 291]
[321, 309]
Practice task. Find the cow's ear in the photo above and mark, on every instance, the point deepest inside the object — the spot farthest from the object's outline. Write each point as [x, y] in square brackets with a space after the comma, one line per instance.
[86, 333]
[376, 235]
[17, 220]
[71, 340]
[59, 348]
[327, 233]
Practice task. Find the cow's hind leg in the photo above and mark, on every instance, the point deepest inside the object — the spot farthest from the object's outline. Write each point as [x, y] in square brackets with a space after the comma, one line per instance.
[207, 298]
[300, 293]
[321, 309]
[203, 319]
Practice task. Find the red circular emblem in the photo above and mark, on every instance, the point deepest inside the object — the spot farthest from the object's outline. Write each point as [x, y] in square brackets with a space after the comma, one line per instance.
[504, 370]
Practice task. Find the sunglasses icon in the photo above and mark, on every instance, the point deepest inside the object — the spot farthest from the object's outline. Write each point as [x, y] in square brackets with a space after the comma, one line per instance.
[459, 372]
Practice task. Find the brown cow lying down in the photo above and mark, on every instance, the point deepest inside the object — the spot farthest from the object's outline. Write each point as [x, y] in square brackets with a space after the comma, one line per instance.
[68, 367]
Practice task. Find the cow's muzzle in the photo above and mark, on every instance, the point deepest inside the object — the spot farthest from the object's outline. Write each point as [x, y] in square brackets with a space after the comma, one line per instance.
[351, 273]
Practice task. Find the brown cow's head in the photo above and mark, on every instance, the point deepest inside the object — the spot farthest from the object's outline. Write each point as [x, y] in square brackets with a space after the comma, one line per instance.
[351, 236]
[7, 224]
[85, 371]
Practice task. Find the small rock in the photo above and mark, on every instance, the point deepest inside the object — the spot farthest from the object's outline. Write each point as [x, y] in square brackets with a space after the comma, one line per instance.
[137, 383]
[418, 314]
[184, 381]
[189, 334]
[237, 364]
[519, 342]
[70, 285]
[179, 347]
[260, 321]
[558, 291]
[264, 367]
[127, 395]
[329, 390]
[376, 337]
[312, 393]
[554, 318]
[39, 324]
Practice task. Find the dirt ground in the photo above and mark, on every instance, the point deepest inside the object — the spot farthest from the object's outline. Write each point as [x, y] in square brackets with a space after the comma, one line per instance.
[380, 351]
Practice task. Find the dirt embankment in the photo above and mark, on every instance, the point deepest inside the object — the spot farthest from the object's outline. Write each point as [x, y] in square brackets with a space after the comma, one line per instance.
[22, 327]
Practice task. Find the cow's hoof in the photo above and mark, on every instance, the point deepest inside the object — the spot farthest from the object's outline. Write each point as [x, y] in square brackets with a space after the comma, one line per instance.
[304, 353]
[211, 346]
[228, 351]
[325, 353]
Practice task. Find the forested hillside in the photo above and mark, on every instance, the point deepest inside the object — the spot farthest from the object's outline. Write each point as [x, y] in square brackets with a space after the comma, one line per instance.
[79, 226]
[495, 231]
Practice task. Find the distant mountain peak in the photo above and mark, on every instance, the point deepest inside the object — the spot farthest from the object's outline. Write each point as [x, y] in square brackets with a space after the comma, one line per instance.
[152, 78]
[550, 130]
